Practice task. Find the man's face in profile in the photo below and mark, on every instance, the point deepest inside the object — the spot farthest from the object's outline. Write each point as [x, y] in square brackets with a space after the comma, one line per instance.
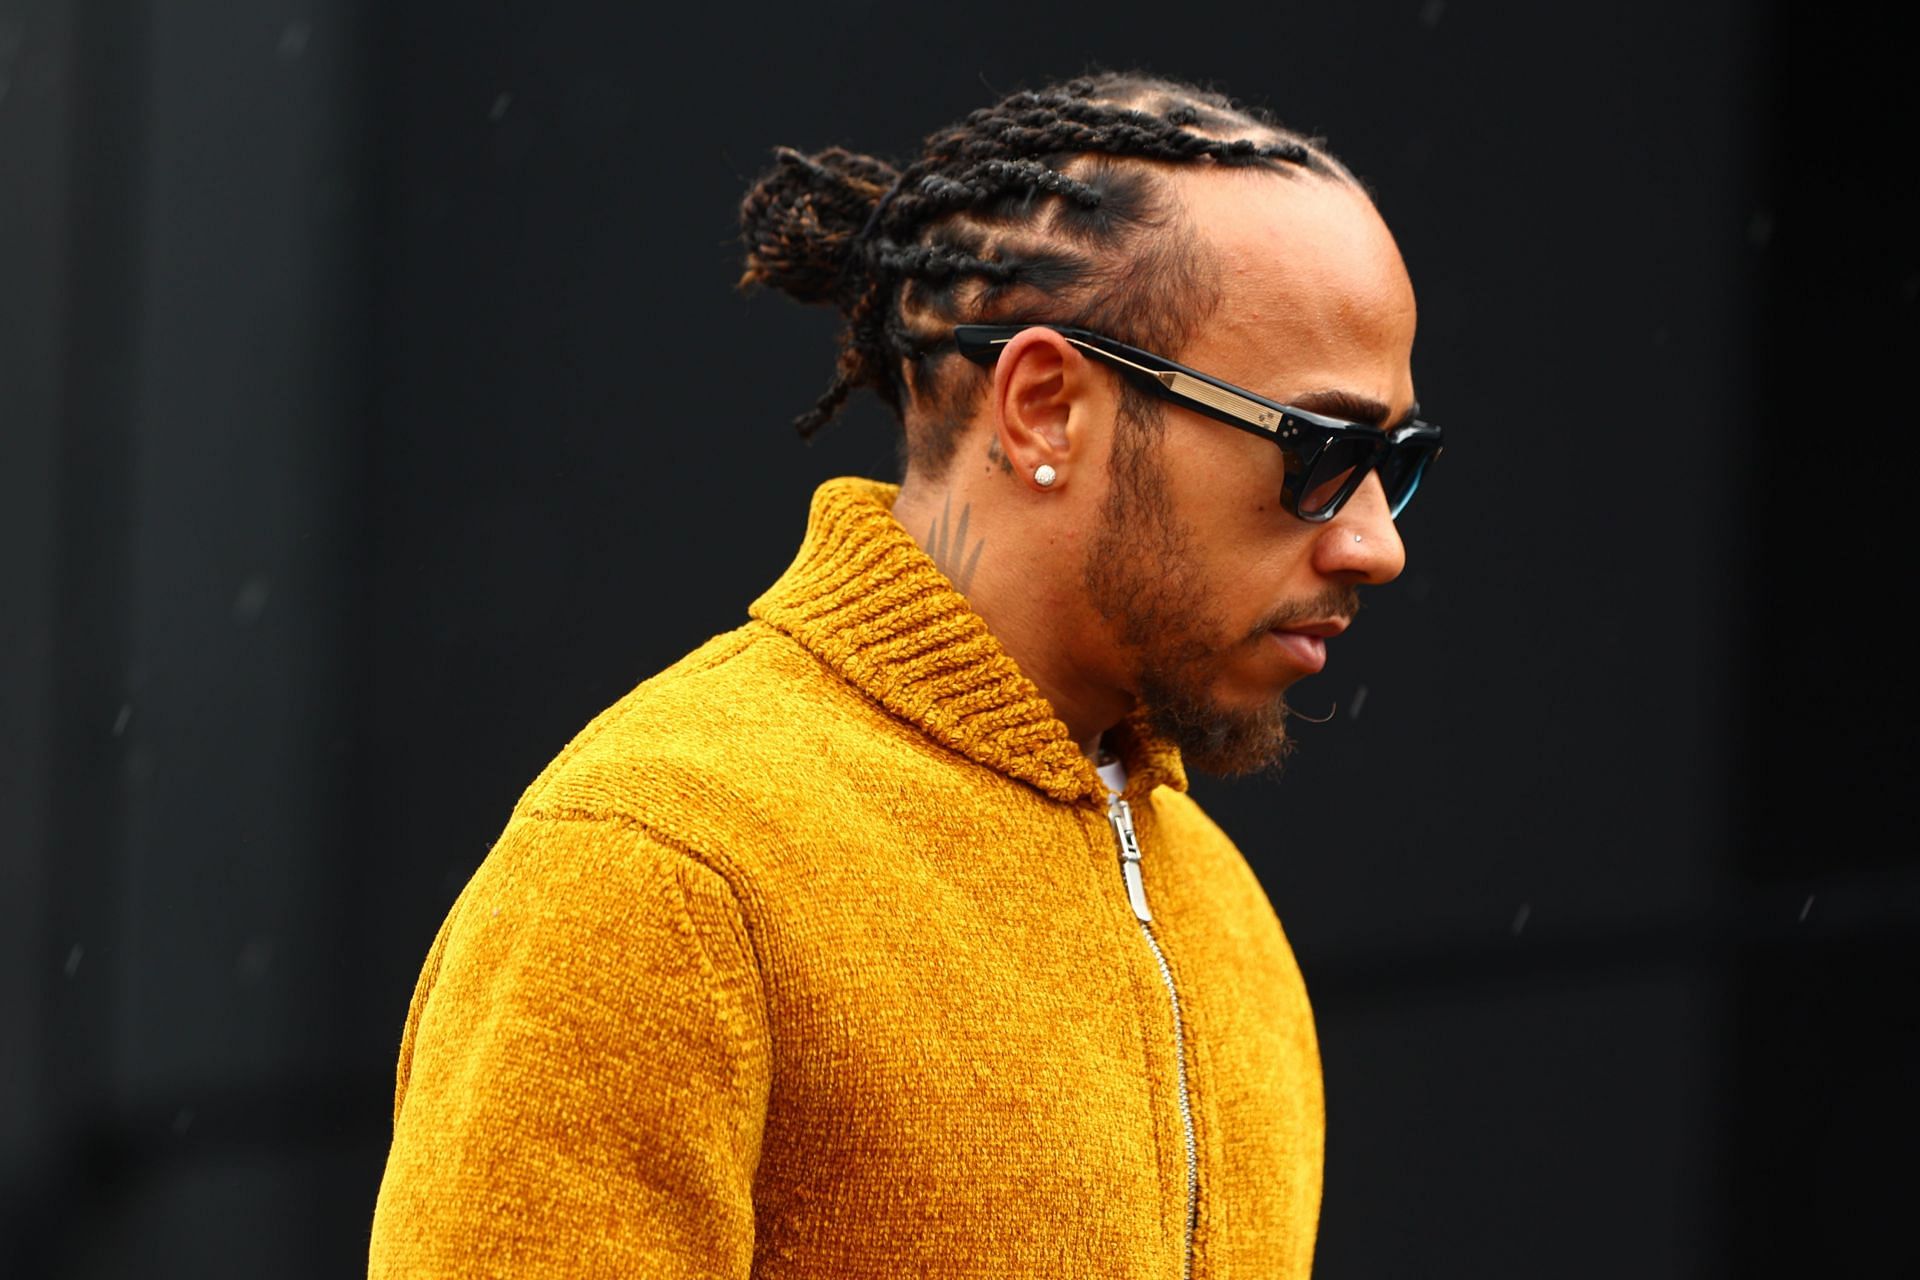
[1218, 597]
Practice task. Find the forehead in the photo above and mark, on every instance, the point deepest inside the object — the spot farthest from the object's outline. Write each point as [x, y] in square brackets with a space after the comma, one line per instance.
[1313, 292]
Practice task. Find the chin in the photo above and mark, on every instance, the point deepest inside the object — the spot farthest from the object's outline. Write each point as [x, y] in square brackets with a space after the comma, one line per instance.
[1221, 740]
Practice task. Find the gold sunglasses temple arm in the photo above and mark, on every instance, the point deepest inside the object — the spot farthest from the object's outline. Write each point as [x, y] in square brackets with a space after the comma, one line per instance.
[1249, 411]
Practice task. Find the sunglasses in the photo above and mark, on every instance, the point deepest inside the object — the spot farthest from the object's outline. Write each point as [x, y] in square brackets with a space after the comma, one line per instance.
[1327, 459]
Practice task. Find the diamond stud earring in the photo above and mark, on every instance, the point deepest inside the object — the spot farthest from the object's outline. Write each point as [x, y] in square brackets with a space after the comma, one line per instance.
[1044, 475]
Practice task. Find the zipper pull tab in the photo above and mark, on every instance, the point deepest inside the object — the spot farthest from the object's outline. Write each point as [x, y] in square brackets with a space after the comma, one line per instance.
[1120, 814]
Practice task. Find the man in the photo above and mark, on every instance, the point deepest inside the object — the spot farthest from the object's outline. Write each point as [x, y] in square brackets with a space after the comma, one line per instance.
[879, 936]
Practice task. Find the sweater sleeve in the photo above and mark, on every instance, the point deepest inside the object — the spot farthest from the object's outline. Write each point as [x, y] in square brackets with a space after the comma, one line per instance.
[583, 1078]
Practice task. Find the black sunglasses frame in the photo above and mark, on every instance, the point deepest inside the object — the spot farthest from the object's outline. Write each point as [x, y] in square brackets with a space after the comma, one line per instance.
[1314, 444]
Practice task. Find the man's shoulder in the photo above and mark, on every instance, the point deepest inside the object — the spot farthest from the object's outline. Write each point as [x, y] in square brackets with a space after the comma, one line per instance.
[1190, 827]
[700, 737]
[1202, 841]
[1181, 809]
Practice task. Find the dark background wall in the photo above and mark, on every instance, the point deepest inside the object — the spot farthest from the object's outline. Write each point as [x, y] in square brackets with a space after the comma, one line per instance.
[349, 461]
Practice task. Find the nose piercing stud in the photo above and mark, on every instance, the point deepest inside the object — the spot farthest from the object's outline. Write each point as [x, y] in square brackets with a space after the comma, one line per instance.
[1043, 475]
[1356, 537]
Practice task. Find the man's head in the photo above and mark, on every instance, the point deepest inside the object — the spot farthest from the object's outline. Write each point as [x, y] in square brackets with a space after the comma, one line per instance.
[1195, 556]
[1161, 565]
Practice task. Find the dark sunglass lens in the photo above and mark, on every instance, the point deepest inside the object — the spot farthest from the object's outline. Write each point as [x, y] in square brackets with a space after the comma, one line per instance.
[1339, 469]
[1401, 474]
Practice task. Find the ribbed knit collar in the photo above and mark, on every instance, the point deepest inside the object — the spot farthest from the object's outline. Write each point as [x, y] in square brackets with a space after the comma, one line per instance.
[874, 607]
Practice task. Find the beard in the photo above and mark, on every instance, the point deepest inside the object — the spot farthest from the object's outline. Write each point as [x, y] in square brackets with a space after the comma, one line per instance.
[1140, 574]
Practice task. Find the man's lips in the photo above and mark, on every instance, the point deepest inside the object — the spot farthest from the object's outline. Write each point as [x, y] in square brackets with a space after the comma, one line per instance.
[1305, 643]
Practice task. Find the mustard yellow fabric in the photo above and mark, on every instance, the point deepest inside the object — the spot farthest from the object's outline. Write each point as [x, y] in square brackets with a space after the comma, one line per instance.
[811, 957]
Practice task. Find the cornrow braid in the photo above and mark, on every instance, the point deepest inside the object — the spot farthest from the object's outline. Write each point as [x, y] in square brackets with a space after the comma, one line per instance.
[939, 261]
[1045, 203]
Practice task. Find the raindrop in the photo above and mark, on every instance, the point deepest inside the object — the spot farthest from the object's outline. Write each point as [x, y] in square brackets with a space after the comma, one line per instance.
[1430, 13]
[1806, 907]
[74, 955]
[500, 104]
[120, 721]
[1359, 700]
[182, 1120]
[293, 39]
[1520, 917]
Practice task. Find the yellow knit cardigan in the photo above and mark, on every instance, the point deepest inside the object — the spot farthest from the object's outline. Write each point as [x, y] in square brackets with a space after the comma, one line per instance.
[812, 957]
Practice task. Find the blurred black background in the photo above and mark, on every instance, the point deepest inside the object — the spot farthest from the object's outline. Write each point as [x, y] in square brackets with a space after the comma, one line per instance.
[350, 461]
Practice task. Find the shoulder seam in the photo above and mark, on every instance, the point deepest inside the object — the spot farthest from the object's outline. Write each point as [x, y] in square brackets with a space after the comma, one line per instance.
[722, 867]
[726, 1010]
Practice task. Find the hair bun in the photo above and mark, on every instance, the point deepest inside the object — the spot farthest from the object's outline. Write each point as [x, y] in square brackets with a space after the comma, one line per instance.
[801, 220]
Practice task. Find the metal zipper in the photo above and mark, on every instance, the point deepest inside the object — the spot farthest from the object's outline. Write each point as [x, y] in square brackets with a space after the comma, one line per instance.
[1120, 814]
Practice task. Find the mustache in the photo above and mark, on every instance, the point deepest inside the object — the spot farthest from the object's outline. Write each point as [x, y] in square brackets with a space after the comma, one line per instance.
[1335, 602]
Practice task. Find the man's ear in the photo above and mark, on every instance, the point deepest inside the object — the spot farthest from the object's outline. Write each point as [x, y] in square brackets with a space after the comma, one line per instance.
[1045, 393]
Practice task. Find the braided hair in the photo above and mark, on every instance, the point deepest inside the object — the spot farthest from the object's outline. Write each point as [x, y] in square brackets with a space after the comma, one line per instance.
[1038, 206]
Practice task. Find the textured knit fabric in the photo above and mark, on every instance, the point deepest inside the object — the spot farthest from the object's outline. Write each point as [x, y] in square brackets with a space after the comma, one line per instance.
[812, 957]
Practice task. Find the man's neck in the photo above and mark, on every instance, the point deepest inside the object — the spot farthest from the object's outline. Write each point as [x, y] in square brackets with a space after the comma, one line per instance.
[1023, 581]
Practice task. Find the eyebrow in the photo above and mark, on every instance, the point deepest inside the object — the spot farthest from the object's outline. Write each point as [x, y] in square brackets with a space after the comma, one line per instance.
[1352, 407]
